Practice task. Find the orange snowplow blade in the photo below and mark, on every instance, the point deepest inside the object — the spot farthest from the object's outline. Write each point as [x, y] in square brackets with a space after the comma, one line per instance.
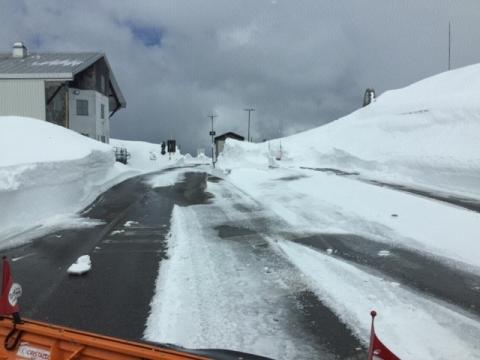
[40, 341]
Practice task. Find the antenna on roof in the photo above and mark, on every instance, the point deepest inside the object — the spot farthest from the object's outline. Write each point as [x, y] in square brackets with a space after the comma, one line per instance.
[449, 45]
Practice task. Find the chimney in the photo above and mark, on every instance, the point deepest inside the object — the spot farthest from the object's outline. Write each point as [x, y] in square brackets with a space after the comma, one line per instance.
[19, 50]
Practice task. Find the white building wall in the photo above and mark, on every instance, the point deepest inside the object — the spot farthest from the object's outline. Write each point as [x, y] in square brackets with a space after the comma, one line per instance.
[93, 125]
[23, 98]
[103, 124]
[85, 125]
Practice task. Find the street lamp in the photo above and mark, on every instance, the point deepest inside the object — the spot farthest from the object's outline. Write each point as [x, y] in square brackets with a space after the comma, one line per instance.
[249, 111]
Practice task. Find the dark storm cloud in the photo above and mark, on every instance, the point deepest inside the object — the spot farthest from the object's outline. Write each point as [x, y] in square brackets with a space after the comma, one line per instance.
[299, 63]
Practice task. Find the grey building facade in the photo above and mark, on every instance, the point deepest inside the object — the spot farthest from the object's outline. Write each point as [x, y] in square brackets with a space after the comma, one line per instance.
[74, 90]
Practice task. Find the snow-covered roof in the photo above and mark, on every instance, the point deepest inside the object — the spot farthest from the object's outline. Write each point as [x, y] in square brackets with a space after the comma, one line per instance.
[229, 134]
[53, 66]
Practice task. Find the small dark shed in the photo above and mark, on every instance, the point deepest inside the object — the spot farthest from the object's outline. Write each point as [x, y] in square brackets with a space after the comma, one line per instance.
[220, 140]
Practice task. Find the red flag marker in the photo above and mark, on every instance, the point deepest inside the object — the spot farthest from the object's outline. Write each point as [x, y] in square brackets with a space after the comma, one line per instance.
[378, 351]
[10, 292]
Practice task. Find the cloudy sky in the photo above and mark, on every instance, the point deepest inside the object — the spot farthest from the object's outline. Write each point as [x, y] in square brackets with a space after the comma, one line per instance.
[299, 63]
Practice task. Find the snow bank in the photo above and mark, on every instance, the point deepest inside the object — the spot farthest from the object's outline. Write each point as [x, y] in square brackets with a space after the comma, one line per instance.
[147, 156]
[48, 174]
[426, 135]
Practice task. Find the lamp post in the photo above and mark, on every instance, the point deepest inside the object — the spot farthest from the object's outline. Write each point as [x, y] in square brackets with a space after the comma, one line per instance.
[248, 133]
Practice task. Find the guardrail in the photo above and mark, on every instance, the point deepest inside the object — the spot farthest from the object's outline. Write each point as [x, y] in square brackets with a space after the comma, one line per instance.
[121, 154]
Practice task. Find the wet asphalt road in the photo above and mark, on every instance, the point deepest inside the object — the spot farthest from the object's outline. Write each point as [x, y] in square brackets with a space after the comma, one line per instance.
[113, 298]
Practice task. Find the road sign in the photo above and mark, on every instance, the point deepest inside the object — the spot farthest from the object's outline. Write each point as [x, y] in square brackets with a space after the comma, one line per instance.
[212, 133]
[171, 146]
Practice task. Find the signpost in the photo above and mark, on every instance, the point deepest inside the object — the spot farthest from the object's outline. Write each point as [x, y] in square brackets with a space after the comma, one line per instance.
[212, 134]
[171, 147]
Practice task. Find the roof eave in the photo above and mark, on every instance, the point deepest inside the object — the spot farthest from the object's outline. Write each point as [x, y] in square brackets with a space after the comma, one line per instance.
[38, 76]
[114, 83]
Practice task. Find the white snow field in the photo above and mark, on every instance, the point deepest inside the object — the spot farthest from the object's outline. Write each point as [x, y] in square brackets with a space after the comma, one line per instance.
[426, 135]
[49, 173]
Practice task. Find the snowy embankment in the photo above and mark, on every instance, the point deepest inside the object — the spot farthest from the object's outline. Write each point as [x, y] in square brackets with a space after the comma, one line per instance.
[425, 135]
[47, 175]
[146, 156]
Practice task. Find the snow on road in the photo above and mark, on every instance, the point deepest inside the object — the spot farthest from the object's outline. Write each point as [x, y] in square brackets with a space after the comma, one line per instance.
[216, 292]
[412, 326]
[319, 203]
[226, 293]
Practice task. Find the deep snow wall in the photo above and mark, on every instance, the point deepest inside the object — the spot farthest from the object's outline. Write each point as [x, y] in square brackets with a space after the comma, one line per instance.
[47, 175]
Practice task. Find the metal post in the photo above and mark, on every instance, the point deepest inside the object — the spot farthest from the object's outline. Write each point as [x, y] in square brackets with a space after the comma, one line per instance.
[212, 133]
[248, 133]
[449, 45]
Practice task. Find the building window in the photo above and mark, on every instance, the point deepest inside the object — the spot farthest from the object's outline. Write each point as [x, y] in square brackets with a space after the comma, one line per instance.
[102, 111]
[82, 107]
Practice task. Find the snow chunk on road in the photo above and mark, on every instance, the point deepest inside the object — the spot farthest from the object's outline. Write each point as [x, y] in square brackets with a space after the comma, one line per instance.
[81, 266]
[130, 223]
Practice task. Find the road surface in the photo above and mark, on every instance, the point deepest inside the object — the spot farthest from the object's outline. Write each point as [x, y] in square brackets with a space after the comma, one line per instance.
[132, 243]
